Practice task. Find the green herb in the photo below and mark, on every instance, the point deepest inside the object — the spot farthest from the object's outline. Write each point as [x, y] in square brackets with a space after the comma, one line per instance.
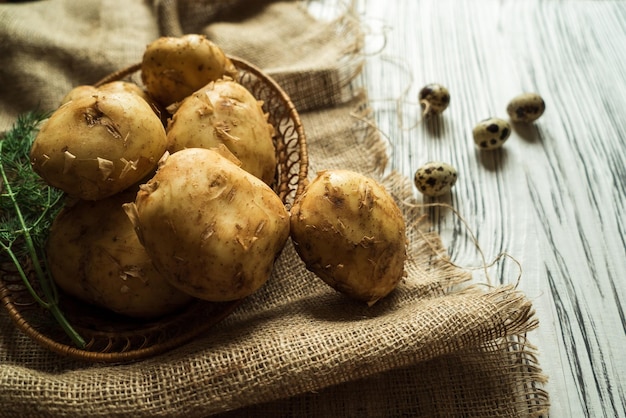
[27, 208]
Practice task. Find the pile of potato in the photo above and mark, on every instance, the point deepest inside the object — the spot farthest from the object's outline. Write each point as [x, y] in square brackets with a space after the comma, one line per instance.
[170, 198]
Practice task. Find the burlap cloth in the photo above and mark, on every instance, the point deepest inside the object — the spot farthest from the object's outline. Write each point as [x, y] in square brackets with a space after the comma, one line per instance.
[437, 346]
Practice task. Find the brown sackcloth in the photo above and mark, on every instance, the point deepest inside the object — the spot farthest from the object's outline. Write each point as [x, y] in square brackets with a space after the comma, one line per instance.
[437, 346]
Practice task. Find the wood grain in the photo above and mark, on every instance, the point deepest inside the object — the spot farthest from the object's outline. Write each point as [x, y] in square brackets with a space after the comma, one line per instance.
[554, 196]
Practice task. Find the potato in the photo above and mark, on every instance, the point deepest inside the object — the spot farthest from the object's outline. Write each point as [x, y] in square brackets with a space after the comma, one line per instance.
[112, 87]
[126, 86]
[212, 229]
[93, 254]
[121, 85]
[173, 68]
[97, 145]
[78, 91]
[349, 231]
[225, 112]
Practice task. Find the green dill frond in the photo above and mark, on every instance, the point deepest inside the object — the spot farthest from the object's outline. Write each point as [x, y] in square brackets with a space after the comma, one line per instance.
[18, 140]
[27, 208]
[37, 201]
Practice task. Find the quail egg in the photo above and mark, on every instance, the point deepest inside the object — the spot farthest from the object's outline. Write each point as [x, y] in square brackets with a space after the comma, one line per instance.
[434, 99]
[491, 133]
[527, 107]
[435, 178]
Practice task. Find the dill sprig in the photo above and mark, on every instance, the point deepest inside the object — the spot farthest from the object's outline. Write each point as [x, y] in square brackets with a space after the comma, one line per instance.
[27, 208]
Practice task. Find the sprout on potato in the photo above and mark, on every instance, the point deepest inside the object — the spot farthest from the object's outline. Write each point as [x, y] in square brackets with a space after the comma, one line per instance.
[93, 254]
[174, 67]
[212, 229]
[97, 145]
[349, 231]
[225, 112]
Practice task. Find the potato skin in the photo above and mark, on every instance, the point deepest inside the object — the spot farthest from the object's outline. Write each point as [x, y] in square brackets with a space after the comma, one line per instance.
[225, 112]
[349, 231]
[113, 87]
[212, 229]
[94, 254]
[174, 67]
[78, 91]
[97, 145]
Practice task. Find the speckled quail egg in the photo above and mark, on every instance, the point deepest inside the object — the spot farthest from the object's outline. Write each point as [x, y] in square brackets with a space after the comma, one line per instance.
[527, 107]
[435, 178]
[491, 133]
[434, 99]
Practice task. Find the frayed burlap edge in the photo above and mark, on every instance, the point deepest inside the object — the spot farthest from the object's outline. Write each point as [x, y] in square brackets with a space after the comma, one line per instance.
[417, 392]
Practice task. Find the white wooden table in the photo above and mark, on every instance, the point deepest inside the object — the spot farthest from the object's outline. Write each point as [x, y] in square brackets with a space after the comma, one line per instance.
[554, 197]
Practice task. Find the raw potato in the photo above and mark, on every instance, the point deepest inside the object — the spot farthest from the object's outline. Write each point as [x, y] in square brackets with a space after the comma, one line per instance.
[349, 231]
[98, 145]
[211, 228]
[225, 112]
[78, 91]
[125, 86]
[174, 67]
[94, 254]
[112, 87]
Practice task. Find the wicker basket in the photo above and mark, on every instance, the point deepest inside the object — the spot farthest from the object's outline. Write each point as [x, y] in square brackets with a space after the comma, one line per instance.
[115, 339]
